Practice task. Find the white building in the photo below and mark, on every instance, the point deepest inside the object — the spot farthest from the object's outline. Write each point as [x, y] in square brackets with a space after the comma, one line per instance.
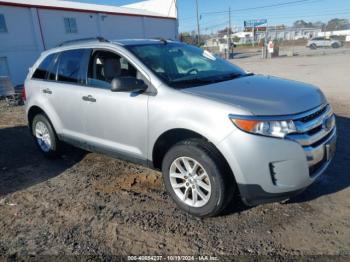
[29, 27]
[345, 33]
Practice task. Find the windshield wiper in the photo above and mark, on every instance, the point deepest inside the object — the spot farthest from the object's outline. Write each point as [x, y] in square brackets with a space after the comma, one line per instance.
[231, 76]
[208, 80]
[192, 81]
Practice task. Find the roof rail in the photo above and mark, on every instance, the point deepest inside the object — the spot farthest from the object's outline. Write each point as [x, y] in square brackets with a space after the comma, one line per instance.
[161, 39]
[90, 39]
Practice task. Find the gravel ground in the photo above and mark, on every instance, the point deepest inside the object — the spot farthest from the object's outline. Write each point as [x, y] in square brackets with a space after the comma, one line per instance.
[86, 203]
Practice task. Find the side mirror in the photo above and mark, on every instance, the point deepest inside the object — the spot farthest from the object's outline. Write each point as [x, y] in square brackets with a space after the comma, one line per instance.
[128, 84]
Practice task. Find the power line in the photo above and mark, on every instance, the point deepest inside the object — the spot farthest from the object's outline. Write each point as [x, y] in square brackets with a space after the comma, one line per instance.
[318, 15]
[238, 17]
[216, 25]
[272, 18]
[254, 8]
[259, 7]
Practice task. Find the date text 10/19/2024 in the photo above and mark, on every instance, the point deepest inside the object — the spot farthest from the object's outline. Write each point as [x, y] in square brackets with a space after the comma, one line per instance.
[172, 258]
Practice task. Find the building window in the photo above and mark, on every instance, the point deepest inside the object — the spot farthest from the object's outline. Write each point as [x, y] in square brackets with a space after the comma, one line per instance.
[3, 28]
[4, 69]
[70, 24]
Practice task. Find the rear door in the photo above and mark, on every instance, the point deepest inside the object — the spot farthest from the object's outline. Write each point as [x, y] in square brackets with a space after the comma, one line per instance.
[69, 91]
[41, 85]
[117, 122]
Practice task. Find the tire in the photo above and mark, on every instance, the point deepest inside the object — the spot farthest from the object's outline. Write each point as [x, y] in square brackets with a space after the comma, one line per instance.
[45, 136]
[335, 45]
[313, 46]
[211, 170]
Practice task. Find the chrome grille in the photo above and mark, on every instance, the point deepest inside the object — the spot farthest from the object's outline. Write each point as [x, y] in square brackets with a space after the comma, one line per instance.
[313, 115]
[314, 130]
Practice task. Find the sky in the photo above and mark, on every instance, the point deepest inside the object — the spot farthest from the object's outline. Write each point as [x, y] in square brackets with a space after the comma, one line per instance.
[282, 11]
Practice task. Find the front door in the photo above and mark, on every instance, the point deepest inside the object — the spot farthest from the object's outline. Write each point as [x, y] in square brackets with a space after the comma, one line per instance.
[117, 122]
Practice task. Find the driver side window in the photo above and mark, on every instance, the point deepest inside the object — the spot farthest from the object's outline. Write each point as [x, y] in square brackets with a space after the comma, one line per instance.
[104, 66]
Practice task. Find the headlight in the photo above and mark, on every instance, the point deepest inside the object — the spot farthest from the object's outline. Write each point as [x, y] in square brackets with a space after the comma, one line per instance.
[272, 128]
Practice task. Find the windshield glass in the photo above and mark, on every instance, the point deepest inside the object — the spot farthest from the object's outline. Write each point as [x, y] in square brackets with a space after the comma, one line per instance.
[181, 65]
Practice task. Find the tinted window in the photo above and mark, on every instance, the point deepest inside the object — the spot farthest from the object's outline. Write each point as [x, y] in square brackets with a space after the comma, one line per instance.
[4, 69]
[3, 27]
[105, 66]
[42, 71]
[52, 72]
[70, 66]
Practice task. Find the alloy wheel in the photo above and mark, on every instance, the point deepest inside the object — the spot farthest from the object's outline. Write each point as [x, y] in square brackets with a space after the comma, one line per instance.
[190, 181]
[42, 135]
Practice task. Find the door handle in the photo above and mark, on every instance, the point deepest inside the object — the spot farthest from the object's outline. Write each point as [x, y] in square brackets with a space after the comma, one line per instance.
[89, 98]
[47, 91]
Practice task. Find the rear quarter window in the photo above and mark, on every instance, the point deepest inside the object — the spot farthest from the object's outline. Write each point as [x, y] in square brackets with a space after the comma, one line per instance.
[43, 69]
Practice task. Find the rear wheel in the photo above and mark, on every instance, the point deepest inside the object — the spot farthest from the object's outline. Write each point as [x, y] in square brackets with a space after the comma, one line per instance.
[45, 136]
[196, 178]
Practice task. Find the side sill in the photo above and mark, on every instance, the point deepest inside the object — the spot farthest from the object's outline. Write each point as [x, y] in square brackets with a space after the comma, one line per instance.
[102, 150]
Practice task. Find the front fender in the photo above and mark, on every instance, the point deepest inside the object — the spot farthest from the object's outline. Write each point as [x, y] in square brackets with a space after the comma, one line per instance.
[177, 110]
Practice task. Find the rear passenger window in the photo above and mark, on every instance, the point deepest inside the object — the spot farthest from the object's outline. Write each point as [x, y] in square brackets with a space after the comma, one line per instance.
[70, 66]
[42, 71]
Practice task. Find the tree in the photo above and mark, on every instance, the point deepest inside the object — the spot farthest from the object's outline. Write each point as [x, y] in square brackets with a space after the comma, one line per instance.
[337, 24]
[188, 38]
[223, 32]
[320, 25]
[301, 24]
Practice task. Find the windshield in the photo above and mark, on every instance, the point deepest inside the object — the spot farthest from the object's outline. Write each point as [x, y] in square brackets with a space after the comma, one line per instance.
[181, 65]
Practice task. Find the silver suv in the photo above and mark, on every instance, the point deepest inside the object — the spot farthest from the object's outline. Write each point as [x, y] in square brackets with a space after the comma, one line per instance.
[316, 42]
[211, 128]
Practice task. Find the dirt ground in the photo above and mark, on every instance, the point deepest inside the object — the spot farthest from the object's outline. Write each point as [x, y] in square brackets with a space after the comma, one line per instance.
[90, 204]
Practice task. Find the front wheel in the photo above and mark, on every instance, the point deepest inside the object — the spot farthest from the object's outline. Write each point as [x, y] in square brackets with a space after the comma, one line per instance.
[45, 136]
[313, 46]
[196, 178]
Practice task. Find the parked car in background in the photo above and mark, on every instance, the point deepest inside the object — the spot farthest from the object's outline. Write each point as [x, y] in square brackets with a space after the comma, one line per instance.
[317, 42]
[213, 129]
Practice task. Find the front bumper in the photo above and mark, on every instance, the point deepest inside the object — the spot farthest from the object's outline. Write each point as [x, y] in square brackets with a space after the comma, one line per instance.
[270, 169]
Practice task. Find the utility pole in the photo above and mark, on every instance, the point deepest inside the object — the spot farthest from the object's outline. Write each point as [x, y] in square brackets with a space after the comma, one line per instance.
[253, 33]
[198, 28]
[266, 41]
[229, 33]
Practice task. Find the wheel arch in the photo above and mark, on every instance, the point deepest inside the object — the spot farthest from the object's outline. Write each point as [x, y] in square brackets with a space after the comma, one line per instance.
[32, 112]
[173, 136]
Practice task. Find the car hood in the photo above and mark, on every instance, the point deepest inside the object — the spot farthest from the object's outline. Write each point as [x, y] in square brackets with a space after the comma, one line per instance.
[263, 95]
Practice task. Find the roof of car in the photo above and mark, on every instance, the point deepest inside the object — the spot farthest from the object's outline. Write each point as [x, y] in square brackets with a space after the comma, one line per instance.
[121, 42]
[86, 42]
[131, 42]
